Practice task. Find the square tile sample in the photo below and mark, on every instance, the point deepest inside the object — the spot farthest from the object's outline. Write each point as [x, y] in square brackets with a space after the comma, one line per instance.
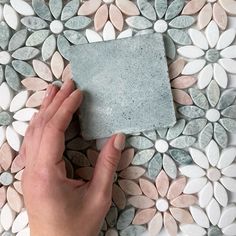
[126, 86]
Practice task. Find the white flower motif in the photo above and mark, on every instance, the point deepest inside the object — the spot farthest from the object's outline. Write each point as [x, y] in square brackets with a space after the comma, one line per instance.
[212, 49]
[13, 116]
[212, 175]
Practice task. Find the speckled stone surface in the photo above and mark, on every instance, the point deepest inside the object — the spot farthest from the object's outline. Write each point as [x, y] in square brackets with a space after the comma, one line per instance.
[123, 80]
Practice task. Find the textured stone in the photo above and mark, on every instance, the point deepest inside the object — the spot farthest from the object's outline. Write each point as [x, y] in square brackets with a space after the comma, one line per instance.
[154, 166]
[140, 142]
[5, 35]
[70, 9]
[23, 68]
[17, 40]
[180, 156]
[174, 9]
[181, 22]
[194, 126]
[134, 230]
[179, 36]
[143, 157]
[125, 218]
[25, 53]
[113, 118]
[176, 130]
[138, 22]
[34, 23]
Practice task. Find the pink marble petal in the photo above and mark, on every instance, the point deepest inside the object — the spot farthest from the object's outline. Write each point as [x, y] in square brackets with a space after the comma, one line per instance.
[126, 158]
[170, 224]
[6, 156]
[17, 164]
[205, 16]
[220, 16]
[101, 17]
[92, 156]
[19, 175]
[36, 99]
[14, 199]
[57, 64]
[141, 202]
[127, 7]
[42, 70]
[132, 172]
[89, 7]
[193, 6]
[183, 201]
[129, 187]
[162, 183]
[118, 197]
[18, 187]
[85, 173]
[181, 97]
[144, 216]
[67, 73]
[148, 188]
[176, 67]
[116, 17]
[176, 188]
[181, 215]
[183, 82]
[34, 83]
[3, 193]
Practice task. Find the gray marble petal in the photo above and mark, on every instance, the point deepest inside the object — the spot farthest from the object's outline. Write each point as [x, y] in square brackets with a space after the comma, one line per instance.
[12, 78]
[176, 130]
[199, 98]
[143, 157]
[205, 135]
[229, 111]
[227, 98]
[213, 93]
[179, 36]
[70, 9]
[228, 124]
[34, 23]
[147, 9]
[75, 37]
[63, 47]
[49, 47]
[41, 9]
[125, 218]
[170, 47]
[181, 22]
[151, 135]
[154, 166]
[23, 68]
[174, 9]
[169, 166]
[191, 111]
[4, 35]
[37, 38]
[134, 230]
[181, 156]
[1, 74]
[194, 126]
[17, 40]
[162, 132]
[140, 142]
[78, 22]
[137, 87]
[112, 216]
[25, 53]
[138, 22]
[161, 7]
[182, 141]
[55, 7]
[220, 135]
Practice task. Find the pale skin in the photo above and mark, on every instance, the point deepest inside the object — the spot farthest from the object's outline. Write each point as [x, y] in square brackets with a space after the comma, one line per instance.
[56, 205]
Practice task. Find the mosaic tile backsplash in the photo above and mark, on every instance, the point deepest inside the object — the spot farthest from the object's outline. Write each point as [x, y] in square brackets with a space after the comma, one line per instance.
[175, 181]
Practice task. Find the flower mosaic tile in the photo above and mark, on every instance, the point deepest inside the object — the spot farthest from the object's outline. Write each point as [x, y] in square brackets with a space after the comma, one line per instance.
[175, 181]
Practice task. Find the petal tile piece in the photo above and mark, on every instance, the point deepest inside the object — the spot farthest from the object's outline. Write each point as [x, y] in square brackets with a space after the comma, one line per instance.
[161, 7]
[132, 172]
[230, 171]
[220, 75]
[199, 216]
[42, 70]
[183, 82]
[179, 36]
[205, 135]
[148, 188]
[228, 124]
[192, 7]
[181, 97]
[194, 185]
[176, 67]
[25, 53]
[220, 194]
[229, 6]
[212, 34]
[141, 202]
[138, 22]
[155, 224]
[48, 47]
[20, 127]
[180, 156]
[143, 157]
[190, 228]
[92, 36]
[34, 83]
[19, 101]
[181, 215]
[36, 99]
[176, 130]
[193, 67]
[227, 216]
[230, 229]
[220, 16]
[2, 196]
[226, 38]
[12, 78]
[125, 218]
[227, 98]
[6, 156]
[183, 141]
[191, 52]
[133, 230]
[205, 76]
[89, 7]
[22, 7]
[174, 9]
[155, 166]
[130, 187]
[37, 38]
[184, 201]
[23, 68]
[5, 35]
[14, 200]
[24, 114]
[127, 7]
[118, 197]
[57, 64]
[213, 211]
[205, 195]
[41, 9]
[199, 158]
[17, 40]
[176, 188]
[126, 159]
[70, 9]
[192, 171]
[13, 138]
[194, 126]
[147, 9]
[213, 93]
[227, 157]
[169, 166]
[170, 224]
[7, 217]
[101, 17]
[198, 39]
[33, 22]
[199, 98]
[144, 216]
[20, 222]
[220, 135]
[162, 183]
[229, 183]
[116, 17]
[204, 16]
[108, 32]
[11, 17]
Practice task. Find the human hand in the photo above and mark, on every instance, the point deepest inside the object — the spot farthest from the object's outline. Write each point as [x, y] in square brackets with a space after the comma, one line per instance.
[57, 205]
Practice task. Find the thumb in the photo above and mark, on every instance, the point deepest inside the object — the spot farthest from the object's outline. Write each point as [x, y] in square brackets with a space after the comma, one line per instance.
[107, 163]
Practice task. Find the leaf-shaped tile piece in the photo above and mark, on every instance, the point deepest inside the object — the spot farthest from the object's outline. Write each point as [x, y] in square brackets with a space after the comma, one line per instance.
[193, 67]
[176, 130]
[162, 183]
[33, 22]
[22, 7]
[126, 158]
[180, 156]
[1, 74]
[75, 37]
[143, 157]
[125, 218]
[17, 40]
[5, 118]
[220, 135]
[183, 82]
[199, 98]
[7, 93]
[192, 7]
[7, 217]
[70, 9]
[179, 36]
[42, 70]
[213, 93]
[176, 188]
[116, 17]
[154, 166]
[134, 230]
[169, 47]
[111, 217]
[194, 126]
[199, 216]
[181, 97]
[118, 196]
[23, 68]
[138, 22]
[141, 202]
[5, 35]
[191, 111]
[170, 224]
[132, 172]
[220, 16]
[12, 78]
[144, 216]
[130, 187]
[204, 16]
[227, 98]
[161, 7]
[14, 199]
[89, 7]
[205, 135]
[41, 9]
[174, 9]
[127, 7]
[155, 225]
[182, 141]
[181, 22]
[140, 142]
[150, 134]
[147, 9]
[49, 47]
[169, 166]
[78, 22]
[101, 17]
[25, 53]
[229, 111]
[63, 47]
[34, 83]
[181, 215]
[55, 7]
[37, 38]
[11, 17]
[148, 188]
[176, 67]
[57, 64]
[228, 124]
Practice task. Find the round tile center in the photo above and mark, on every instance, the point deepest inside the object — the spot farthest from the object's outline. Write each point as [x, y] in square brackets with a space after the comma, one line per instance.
[213, 115]
[160, 26]
[56, 27]
[6, 178]
[5, 57]
[161, 145]
[212, 55]
[162, 204]
[213, 174]
[5, 118]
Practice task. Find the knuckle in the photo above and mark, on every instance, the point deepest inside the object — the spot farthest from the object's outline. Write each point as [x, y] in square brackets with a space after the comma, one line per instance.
[110, 162]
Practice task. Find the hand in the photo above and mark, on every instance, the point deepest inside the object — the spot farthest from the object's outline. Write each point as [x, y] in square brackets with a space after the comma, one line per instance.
[57, 205]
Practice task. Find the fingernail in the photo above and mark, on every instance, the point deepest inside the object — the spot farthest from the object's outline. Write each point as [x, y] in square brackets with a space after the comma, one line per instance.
[119, 142]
